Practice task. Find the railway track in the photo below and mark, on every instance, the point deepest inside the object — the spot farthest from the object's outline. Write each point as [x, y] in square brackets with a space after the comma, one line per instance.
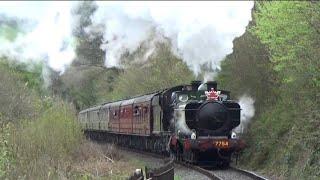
[231, 173]
[225, 174]
[249, 173]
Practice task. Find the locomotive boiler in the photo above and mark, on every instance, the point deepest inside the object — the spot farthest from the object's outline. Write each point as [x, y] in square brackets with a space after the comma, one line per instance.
[192, 123]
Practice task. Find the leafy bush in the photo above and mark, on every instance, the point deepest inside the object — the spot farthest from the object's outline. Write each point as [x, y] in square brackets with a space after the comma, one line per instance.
[17, 100]
[42, 147]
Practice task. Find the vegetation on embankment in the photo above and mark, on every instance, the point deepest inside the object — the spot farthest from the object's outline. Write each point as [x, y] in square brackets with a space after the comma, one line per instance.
[277, 62]
[38, 133]
[40, 137]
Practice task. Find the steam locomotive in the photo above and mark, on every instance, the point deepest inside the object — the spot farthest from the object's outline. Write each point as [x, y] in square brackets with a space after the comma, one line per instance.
[191, 123]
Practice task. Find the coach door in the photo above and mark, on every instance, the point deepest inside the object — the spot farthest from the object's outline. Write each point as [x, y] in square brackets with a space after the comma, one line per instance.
[145, 108]
[114, 116]
[156, 115]
[136, 121]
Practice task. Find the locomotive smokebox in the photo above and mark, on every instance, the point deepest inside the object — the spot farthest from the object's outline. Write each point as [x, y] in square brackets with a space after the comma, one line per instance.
[195, 85]
[213, 118]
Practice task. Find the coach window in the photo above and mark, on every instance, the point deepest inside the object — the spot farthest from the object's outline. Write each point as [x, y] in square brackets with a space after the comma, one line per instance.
[121, 113]
[136, 111]
[115, 113]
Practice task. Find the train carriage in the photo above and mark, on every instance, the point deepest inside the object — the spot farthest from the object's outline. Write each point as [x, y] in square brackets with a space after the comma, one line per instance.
[191, 122]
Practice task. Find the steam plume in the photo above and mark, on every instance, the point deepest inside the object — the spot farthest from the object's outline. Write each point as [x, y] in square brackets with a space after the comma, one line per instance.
[180, 123]
[200, 32]
[247, 112]
[50, 39]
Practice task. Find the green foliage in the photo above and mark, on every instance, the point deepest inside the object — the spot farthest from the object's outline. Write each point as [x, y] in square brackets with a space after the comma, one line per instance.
[291, 32]
[277, 62]
[45, 145]
[28, 73]
[17, 100]
[284, 139]
[84, 81]
[38, 134]
[88, 51]
[161, 71]
[248, 71]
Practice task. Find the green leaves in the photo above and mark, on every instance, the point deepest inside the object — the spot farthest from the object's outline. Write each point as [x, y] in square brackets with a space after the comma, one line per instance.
[288, 28]
[277, 62]
[160, 71]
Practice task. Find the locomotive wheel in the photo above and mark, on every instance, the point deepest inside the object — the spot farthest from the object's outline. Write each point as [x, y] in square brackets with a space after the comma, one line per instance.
[172, 155]
[190, 157]
[178, 153]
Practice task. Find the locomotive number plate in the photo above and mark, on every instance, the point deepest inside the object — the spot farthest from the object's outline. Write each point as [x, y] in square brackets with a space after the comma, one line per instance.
[221, 143]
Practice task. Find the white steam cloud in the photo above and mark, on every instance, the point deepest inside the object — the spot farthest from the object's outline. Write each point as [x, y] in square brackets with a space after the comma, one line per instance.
[201, 32]
[247, 112]
[49, 40]
[179, 120]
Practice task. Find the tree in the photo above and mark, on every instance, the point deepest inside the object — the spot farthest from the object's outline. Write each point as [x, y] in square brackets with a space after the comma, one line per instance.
[277, 61]
[88, 35]
[83, 79]
[162, 70]
[291, 32]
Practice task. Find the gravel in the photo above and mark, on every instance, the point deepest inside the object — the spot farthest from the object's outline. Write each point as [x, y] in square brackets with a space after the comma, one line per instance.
[182, 172]
[229, 174]
[149, 161]
[188, 174]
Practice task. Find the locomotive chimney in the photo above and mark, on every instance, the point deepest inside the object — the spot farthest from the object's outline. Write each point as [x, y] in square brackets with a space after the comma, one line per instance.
[211, 84]
[195, 85]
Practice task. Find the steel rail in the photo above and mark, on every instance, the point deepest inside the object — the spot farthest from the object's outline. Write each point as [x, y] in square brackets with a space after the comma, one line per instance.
[203, 171]
[248, 173]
